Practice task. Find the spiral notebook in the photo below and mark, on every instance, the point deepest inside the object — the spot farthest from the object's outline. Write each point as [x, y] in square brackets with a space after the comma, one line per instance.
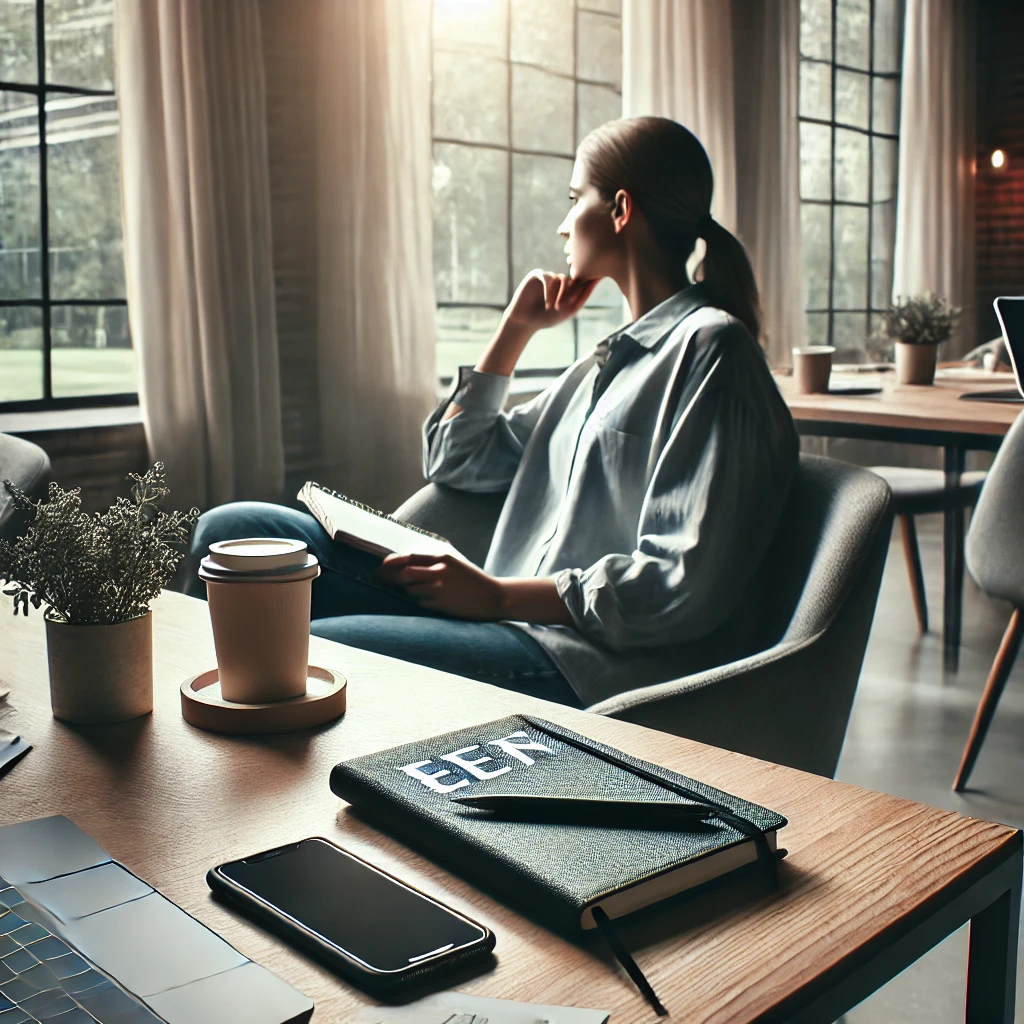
[369, 529]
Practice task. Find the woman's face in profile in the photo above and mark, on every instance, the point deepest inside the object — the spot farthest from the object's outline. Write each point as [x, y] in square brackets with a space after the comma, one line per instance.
[588, 229]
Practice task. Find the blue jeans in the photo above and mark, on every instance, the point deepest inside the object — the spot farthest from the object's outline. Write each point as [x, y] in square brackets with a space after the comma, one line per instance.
[351, 607]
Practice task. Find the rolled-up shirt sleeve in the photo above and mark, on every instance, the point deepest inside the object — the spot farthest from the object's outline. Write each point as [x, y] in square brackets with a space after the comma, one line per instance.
[480, 448]
[710, 511]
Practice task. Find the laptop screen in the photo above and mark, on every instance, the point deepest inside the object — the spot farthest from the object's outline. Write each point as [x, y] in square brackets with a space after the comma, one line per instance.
[1010, 312]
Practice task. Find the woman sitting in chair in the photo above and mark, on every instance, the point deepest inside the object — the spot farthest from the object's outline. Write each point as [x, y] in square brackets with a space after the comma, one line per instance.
[644, 486]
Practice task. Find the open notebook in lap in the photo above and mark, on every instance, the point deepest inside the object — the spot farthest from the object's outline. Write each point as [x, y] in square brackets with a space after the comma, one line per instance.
[1010, 313]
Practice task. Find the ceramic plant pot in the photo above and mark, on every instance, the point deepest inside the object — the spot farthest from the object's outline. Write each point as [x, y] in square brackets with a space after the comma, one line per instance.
[915, 364]
[101, 674]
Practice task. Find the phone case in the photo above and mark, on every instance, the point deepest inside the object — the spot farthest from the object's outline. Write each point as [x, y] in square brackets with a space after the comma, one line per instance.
[380, 982]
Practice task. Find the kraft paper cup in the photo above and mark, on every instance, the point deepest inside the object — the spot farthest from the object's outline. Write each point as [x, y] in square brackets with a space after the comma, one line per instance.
[259, 591]
[812, 367]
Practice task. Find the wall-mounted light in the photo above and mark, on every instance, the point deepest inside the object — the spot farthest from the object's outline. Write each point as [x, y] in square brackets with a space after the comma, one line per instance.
[998, 159]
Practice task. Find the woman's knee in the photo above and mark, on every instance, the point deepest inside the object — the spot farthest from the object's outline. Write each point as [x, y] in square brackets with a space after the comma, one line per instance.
[242, 519]
[227, 522]
[254, 519]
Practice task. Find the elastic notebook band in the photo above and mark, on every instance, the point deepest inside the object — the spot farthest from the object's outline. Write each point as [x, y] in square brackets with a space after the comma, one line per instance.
[767, 859]
[611, 936]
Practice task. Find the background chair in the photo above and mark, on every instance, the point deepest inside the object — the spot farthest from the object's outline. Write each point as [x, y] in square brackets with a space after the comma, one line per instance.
[27, 465]
[788, 698]
[917, 492]
[995, 558]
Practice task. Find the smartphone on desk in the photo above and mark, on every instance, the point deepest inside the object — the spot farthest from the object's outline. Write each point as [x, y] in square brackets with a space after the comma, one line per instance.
[372, 928]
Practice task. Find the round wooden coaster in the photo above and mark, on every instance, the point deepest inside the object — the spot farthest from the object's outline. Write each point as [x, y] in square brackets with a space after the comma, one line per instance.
[203, 706]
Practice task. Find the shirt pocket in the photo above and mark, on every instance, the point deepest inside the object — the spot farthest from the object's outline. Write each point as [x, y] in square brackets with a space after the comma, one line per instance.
[624, 463]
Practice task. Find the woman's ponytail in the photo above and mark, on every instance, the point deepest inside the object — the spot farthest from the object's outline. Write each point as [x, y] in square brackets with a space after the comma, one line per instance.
[727, 272]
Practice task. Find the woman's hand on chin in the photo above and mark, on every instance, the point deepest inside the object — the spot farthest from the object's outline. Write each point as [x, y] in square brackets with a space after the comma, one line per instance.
[544, 299]
[444, 583]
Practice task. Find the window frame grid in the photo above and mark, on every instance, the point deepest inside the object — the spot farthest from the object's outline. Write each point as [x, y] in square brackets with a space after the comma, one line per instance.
[41, 89]
[512, 151]
[834, 124]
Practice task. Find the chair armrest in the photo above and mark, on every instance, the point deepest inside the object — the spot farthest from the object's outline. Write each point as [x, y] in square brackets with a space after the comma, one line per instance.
[466, 519]
[754, 706]
[677, 689]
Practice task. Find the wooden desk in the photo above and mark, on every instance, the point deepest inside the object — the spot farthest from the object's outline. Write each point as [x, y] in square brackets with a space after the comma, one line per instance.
[934, 415]
[871, 883]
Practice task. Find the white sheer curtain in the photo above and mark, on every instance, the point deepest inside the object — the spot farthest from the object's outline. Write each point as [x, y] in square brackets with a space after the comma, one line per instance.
[767, 61]
[196, 212]
[935, 196]
[677, 61]
[728, 71]
[375, 317]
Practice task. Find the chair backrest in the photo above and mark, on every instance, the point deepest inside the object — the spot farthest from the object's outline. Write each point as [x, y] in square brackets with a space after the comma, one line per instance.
[787, 696]
[27, 465]
[995, 541]
[824, 539]
[466, 519]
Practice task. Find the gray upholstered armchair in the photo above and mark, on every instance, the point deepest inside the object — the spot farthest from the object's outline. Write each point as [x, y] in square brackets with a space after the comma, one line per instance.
[27, 465]
[813, 600]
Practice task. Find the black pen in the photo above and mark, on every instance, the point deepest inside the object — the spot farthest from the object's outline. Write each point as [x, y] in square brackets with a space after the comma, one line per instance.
[650, 814]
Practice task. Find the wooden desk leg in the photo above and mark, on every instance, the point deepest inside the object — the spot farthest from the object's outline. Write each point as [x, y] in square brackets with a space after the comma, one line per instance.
[992, 961]
[953, 555]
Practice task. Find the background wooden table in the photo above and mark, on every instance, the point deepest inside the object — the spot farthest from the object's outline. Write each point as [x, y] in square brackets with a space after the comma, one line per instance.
[870, 884]
[935, 415]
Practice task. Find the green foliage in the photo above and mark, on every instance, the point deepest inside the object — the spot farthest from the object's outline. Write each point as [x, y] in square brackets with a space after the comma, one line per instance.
[104, 567]
[926, 319]
[85, 248]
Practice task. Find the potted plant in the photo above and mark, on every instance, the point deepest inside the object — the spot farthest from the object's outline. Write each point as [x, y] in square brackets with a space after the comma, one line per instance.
[918, 325]
[96, 574]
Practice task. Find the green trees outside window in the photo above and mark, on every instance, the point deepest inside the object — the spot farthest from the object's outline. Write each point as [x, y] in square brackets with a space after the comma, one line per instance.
[64, 336]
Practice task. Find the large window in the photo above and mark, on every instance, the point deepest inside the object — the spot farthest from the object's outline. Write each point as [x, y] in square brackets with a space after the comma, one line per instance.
[517, 84]
[849, 110]
[63, 318]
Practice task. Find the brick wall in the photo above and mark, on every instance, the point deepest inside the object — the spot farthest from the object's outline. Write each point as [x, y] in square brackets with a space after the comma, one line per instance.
[999, 199]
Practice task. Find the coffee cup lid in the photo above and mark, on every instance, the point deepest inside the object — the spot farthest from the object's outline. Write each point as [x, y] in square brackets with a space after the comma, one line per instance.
[814, 350]
[258, 554]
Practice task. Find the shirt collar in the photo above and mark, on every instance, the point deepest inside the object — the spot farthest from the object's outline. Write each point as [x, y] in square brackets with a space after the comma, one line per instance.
[655, 324]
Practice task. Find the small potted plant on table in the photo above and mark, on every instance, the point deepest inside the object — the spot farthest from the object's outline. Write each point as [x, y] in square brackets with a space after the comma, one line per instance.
[97, 574]
[918, 325]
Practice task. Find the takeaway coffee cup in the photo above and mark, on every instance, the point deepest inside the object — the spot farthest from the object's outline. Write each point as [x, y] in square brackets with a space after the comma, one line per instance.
[259, 591]
[811, 368]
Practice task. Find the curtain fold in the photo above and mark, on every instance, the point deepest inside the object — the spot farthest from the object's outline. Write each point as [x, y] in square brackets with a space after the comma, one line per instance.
[677, 61]
[375, 280]
[196, 214]
[767, 59]
[935, 193]
[728, 71]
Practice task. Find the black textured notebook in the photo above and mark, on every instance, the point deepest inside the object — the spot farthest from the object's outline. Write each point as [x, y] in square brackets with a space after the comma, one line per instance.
[563, 871]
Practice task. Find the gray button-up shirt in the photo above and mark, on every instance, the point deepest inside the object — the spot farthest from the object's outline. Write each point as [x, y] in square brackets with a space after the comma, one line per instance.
[651, 506]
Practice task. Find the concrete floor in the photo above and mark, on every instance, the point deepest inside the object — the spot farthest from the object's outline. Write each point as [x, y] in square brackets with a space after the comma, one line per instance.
[907, 732]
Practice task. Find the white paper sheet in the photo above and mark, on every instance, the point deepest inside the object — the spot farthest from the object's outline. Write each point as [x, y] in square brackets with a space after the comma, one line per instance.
[455, 1008]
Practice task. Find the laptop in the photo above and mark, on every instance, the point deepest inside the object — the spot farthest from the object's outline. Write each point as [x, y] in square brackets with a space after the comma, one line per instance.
[43, 979]
[1010, 313]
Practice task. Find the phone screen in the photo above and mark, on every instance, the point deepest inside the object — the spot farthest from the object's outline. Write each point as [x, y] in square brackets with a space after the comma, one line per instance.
[362, 911]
